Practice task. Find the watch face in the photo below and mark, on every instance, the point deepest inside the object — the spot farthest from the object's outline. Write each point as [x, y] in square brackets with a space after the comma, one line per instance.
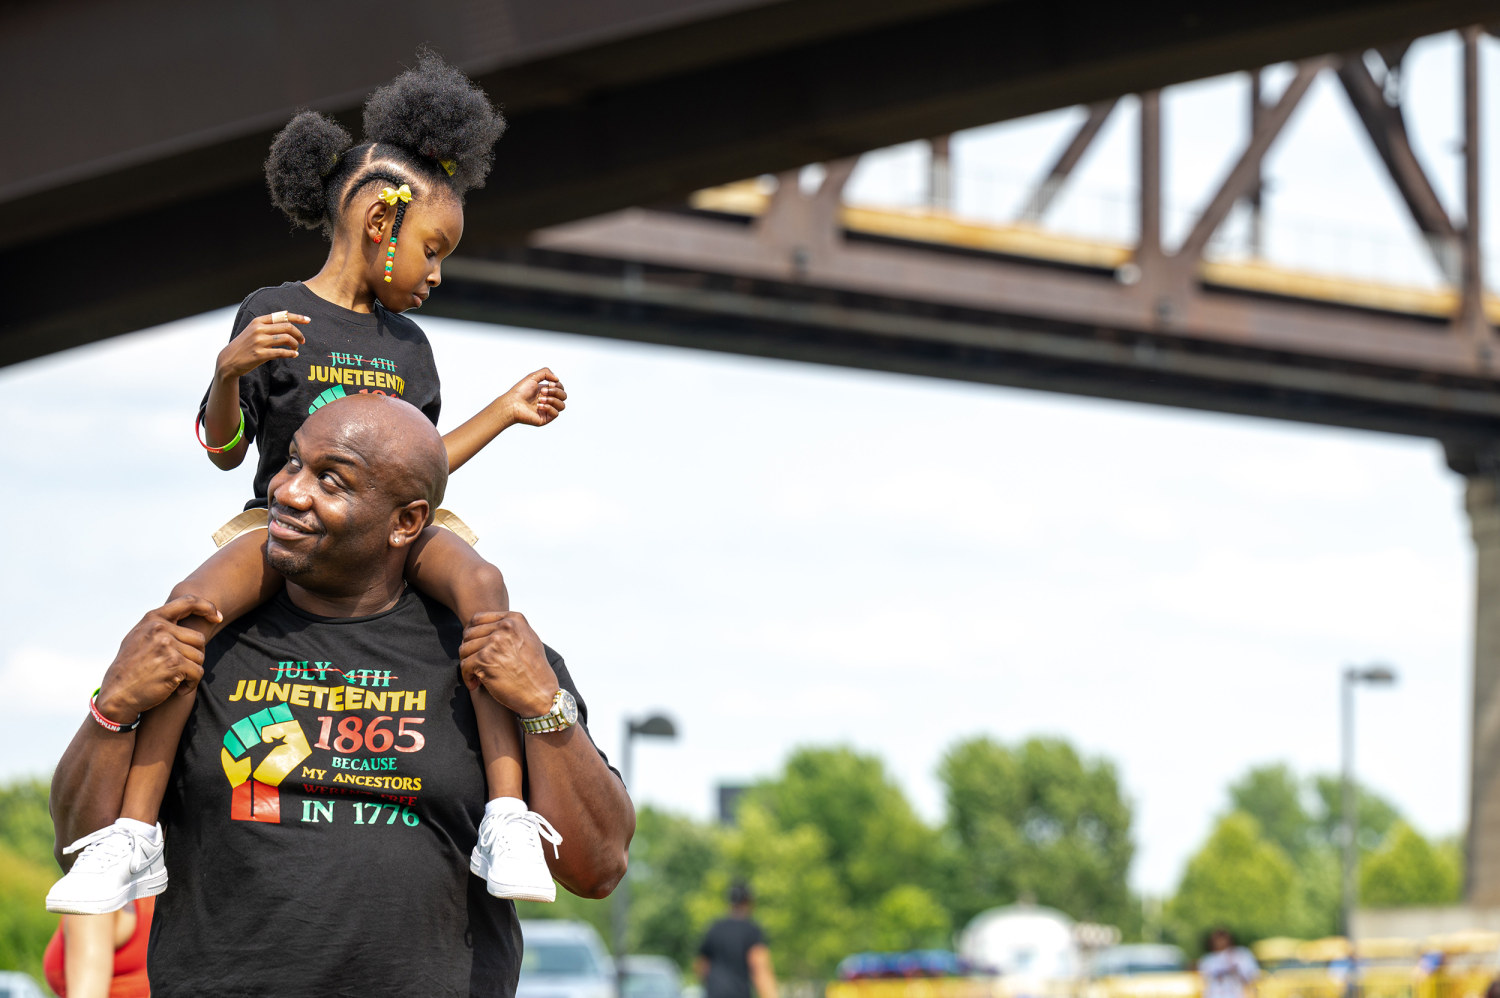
[568, 707]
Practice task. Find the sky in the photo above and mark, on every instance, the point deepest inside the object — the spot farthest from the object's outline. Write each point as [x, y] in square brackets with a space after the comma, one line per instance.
[779, 554]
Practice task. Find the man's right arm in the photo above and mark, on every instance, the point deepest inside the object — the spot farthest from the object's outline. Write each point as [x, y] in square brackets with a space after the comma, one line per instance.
[761, 972]
[157, 658]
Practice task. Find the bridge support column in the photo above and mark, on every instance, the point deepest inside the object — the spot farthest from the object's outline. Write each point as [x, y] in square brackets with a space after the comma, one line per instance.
[1482, 877]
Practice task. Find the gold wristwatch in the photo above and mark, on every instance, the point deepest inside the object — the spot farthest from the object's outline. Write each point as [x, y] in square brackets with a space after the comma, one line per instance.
[564, 714]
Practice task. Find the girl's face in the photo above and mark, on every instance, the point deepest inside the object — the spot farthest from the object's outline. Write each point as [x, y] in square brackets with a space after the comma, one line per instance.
[429, 232]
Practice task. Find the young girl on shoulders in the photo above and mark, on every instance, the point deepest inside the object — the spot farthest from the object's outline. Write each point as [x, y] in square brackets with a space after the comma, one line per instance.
[392, 209]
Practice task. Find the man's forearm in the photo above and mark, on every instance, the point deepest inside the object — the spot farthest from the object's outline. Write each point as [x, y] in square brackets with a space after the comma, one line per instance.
[574, 790]
[88, 784]
[158, 656]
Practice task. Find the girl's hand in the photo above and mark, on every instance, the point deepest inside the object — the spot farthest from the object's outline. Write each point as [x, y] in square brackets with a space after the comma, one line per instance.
[267, 337]
[536, 399]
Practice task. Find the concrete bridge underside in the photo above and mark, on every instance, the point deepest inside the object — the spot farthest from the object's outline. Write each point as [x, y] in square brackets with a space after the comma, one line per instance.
[137, 129]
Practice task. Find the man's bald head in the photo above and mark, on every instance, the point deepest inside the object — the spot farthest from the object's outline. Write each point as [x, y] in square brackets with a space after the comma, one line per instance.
[403, 450]
[362, 479]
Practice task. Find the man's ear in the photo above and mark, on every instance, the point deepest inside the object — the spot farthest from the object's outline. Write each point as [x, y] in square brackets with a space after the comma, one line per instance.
[408, 522]
[377, 216]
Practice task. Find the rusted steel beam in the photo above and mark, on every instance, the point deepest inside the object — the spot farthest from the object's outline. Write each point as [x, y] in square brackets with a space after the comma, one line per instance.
[1305, 332]
[940, 172]
[1472, 320]
[1051, 185]
[1387, 131]
[797, 320]
[1148, 238]
[1257, 187]
[799, 225]
[1244, 175]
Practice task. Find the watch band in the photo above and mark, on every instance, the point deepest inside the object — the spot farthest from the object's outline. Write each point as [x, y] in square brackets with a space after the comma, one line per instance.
[553, 720]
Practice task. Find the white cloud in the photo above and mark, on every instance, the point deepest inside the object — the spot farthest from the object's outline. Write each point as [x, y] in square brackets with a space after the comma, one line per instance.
[42, 680]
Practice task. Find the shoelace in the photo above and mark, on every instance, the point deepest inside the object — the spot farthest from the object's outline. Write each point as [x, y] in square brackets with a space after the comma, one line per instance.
[103, 848]
[530, 822]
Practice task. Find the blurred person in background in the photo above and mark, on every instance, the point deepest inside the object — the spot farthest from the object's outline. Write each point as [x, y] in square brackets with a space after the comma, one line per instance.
[101, 956]
[1228, 971]
[734, 954]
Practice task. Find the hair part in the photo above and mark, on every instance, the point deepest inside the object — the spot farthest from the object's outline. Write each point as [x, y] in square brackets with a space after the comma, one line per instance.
[427, 120]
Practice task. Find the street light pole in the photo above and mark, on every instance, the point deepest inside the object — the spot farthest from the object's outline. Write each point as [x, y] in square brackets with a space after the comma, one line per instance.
[1349, 831]
[657, 726]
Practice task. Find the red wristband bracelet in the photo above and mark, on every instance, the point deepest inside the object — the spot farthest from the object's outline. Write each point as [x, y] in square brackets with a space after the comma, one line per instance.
[105, 722]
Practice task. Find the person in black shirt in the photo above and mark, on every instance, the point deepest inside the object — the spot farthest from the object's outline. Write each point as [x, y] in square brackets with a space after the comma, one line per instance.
[392, 209]
[327, 790]
[734, 954]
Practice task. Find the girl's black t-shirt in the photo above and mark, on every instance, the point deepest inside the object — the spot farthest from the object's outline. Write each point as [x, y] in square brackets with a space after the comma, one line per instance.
[325, 797]
[346, 353]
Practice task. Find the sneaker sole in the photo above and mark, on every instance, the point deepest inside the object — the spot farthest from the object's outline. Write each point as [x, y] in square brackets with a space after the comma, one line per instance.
[143, 888]
[512, 892]
[522, 892]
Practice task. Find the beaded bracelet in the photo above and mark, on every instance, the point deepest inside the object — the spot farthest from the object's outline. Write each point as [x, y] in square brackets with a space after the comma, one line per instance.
[198, 432]
[105, 722]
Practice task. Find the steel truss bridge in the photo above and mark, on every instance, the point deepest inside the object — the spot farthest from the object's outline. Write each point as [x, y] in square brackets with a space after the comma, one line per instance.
[617, 207]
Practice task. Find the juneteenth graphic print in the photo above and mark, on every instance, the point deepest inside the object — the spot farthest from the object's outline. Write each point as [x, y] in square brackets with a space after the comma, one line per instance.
[371, 375]
[357, 746]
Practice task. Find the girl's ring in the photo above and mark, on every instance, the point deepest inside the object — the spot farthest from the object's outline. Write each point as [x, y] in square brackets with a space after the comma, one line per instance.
[279, 316]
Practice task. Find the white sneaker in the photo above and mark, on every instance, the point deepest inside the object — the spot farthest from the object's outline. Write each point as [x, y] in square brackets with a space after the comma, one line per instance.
[116, 865]
[509, 855]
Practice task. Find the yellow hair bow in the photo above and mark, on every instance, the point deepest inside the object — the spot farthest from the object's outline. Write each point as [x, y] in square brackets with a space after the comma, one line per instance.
[448, 165]
[390, 196]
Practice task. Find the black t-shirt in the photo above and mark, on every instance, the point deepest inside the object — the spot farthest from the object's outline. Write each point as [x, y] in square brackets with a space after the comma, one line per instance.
[322, 806]
[346, 353]
[727, 947]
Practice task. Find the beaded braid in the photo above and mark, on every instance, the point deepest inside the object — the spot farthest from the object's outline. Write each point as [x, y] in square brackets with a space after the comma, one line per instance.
[395, 228]
[400, 202]
[396, 197]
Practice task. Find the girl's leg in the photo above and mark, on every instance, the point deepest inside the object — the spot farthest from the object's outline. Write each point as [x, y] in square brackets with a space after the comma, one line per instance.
[236, 580]
[509, 852]
[447, 569]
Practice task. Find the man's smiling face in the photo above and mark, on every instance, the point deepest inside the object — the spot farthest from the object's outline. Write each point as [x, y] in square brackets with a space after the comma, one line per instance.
[329, 519]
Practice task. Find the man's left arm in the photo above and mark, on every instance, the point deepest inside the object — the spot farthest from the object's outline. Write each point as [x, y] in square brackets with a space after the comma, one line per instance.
[570, 783]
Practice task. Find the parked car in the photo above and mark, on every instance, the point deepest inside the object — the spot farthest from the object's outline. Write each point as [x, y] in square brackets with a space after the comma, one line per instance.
[564, 959]
[14, 984]
[651, 977]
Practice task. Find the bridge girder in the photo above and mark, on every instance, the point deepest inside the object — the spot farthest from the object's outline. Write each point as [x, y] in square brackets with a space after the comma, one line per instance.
[139, 200]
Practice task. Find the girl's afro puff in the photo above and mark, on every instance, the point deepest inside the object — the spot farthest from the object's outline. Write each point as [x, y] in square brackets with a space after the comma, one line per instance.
[435, 111]
[302, 155]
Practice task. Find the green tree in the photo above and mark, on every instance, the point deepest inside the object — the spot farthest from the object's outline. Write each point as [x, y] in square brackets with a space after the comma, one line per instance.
[27, 871]
[800, 898]
[1374, 814]
[1037, 820]
[671, 858]
[1408, 870]
[838, 860]
[1316, 909]
[1275, 797]
[1239, 879]
[911, 917]
[1303, 817]
[875, 840]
